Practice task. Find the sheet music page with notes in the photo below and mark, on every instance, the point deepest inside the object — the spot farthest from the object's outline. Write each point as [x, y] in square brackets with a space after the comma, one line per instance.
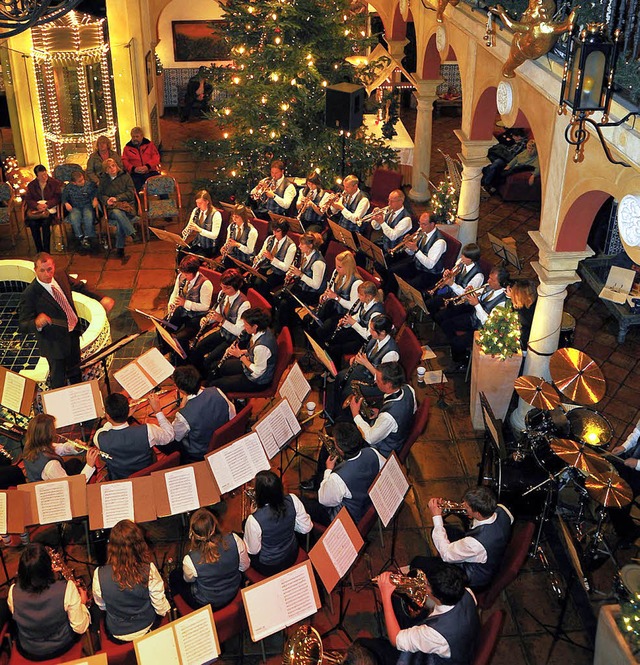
[182, 490]
[117, 503]
[158, 646]
[133, 380]
[53, 501]
[71, 405]
[277, 428]
[3, 512]
[389, 490]
[196, 639]
[156, 365]
[237, 463]
[13, 391]
[295, 388]
[339, 547]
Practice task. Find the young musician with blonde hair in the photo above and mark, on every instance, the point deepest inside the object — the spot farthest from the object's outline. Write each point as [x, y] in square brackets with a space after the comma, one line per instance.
[205, 220]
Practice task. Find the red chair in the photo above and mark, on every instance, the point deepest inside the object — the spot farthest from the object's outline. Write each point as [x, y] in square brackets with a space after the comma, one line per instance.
[74, 652]
[486, 266]
[256, 300]
[262, 228]
[165, 462]
[232, 430]
[516, 187]
[285, 355]
[410, 351]
[253, 576]
[369, 277]
[512, 560]
[213, 276]
[420, 421]
[229, 620]
[488, 638]
[453, 250]
[333, 249]
[395, 309]
[120, 654]
[383, 183]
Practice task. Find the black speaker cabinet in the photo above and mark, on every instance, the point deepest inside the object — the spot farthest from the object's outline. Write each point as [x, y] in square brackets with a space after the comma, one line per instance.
[344, 106]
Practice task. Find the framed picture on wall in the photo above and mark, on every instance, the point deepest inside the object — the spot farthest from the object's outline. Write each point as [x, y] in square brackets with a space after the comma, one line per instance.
[150, 67]
[199, 41]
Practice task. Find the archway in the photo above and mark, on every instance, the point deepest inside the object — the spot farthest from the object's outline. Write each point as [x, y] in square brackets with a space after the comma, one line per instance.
[575, 227]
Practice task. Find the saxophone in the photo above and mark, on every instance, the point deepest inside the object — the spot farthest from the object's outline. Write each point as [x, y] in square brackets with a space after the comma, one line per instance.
[330, 444]
[59, 565]
[206, 321]
[356, 393]
[226, 248]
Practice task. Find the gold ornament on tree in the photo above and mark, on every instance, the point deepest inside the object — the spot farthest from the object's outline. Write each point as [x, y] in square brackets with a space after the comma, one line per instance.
[535, 34]
[442, 5]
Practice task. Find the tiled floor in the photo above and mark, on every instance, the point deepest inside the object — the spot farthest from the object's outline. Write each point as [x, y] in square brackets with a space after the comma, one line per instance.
[443, 463]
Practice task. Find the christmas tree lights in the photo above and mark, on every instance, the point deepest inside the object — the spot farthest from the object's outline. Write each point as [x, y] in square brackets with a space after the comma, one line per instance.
[500, 335]
[444, 203]
[629, 623]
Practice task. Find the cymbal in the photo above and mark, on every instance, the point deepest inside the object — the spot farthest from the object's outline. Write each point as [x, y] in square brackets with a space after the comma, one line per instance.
[580, 458]
[537, 392]
[609, 490]
[577, 376]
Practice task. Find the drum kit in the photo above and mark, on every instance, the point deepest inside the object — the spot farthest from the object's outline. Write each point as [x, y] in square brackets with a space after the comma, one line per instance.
[564, 445]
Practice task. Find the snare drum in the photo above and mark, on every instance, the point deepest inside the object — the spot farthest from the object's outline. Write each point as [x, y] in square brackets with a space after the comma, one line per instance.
[567, 329]
[627, 582]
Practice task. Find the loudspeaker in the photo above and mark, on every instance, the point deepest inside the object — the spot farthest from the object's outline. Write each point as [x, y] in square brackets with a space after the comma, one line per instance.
[344, 106]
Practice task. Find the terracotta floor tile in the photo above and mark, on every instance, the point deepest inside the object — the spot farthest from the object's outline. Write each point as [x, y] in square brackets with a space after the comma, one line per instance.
[156, 279]
[157, 260]
[110, 279]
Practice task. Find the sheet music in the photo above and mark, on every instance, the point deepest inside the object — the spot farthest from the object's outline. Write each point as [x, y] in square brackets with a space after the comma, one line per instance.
[3, 512]
[339, 547]
[71, 405]
[53, 502]
[238, 463]
[156, 647]
[182, 490]
[389, 489]
[195, 637]
[133, 380]
[281, 602]
[277, 428]
[295, 387]
[117, 503]
[156, 365]
[13, 392]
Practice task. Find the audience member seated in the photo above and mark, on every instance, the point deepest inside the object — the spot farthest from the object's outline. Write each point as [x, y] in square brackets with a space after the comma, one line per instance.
[202, 411]
[525, 161]
[49, 614]
[141, 158]
[479, 549]
[130, 446]
[80, 200]
[212, 570]
[41, 199]
[103, 151]
[270, 531]
[511, 142]
[129, 588]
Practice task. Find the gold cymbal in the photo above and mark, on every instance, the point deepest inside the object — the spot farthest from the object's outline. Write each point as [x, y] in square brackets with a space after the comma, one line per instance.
[577, 376]
[537, 392]
[609, 490]
[580, 458]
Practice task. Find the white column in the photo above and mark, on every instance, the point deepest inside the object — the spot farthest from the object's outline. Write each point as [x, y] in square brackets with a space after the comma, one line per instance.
[473, 159]
[425, 95]
[556, 270]
[396, 48]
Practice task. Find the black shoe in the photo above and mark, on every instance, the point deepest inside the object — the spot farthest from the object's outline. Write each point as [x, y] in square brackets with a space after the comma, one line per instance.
[134, 237]
[308, 485]
[120, 252]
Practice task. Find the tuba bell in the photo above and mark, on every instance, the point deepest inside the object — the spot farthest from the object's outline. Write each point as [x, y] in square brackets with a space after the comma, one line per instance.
[413, 589]
[304, 647]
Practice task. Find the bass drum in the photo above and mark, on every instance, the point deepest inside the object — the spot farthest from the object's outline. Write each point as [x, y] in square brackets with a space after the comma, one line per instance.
[518, 477]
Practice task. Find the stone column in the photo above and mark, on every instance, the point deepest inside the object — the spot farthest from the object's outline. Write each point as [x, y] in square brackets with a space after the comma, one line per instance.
[556, 270]
[396, 48]
[473, 158]
[425, 95]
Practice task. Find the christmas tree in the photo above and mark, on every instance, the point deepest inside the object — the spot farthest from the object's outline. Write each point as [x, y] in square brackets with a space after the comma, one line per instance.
[629, 622]
[285, 54]
[500, 334]
[444, 202]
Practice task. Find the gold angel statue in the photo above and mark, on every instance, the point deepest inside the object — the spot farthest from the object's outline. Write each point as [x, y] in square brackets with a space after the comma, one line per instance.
[442, 5]
[534, 35]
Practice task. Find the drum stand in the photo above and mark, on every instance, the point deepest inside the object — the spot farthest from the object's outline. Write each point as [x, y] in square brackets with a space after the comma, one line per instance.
[599, 544]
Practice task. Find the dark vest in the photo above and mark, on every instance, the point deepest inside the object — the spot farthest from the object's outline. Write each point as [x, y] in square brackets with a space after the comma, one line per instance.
[463, 279]
[424, 247]
[128, 610]
[460, 627]
[343, 221]
[278, 533]
[193, 294]
[358, 474]
[268, 340]
[217, 583]
[361, 373]
[365, 317]
[390, 244]
[34, 469]
[271, 204]
[489, 305]
[244, 237]
[400, 406]
[344, 291]
[205, 413]
[308, 271]
[232, 314]
[207, 225]
[494, 538]
[129, 448]
[281, 253]
[43, 624]
[310, 216]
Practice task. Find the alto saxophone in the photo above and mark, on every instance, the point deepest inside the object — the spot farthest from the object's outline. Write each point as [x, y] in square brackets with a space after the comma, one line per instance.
[59, 565]
[356, 393]
[330, 444]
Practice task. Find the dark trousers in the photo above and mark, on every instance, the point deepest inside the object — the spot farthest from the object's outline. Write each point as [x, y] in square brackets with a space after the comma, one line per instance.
[208, 351]
[140, 178]
[40, 228]
[233, 379]
[284, 309]
[330, 312]
[181, 588]
[621, 519]
[459, 331]
[274, 280]
[66, 369]
[345, 342]
[317, 512]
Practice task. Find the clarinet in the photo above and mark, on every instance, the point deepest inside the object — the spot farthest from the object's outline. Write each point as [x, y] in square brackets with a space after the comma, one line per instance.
[243, 337]
[357, 304]
[352, 366]
[182, 292]
[206, 321]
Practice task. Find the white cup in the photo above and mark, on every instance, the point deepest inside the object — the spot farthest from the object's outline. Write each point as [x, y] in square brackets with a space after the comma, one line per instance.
[421, 372]
[311, 408]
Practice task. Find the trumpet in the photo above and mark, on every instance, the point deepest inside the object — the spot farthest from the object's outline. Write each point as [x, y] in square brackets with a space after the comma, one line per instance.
[452, 507]
[457, 300]
[262, 188]
[446, 276]
[330, 444]
[306, 202]
[415, 237]
[333, 198]
[374, 213]
[356, 393]
[80, 445]
[414, 588]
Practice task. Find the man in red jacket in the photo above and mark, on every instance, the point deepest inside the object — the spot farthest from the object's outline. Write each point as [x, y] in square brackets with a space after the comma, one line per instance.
[140, 158]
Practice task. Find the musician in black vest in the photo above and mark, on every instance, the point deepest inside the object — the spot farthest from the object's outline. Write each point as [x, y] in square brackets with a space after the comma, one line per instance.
[311, 200]
[211, 572]
[270, 531]
[353, 205]
[465, 273]
[49, 614]
[205, 222]
[395, 223]
[129, 588]
[344, 483]
[189, 301]
[275, 258]
[222, 324]
[353, 328]
[241, 237]
[274, 195]
[479, 549]
[253, 368]
[424, 261]
[459, 329]
[202, 411]
[47, 310]
[392, 425]
[447, 636]
[306, 281]
[130, 446]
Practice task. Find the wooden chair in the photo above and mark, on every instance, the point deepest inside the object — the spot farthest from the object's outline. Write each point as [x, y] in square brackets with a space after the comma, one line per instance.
[232, 430]
[488, 638]
[167, 207]
[63, 172]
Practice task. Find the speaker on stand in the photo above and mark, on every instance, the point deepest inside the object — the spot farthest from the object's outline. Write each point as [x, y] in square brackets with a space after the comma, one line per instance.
[344, 108]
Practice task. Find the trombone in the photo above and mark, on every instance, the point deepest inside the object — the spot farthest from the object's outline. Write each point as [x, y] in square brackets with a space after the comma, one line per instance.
[457, 300]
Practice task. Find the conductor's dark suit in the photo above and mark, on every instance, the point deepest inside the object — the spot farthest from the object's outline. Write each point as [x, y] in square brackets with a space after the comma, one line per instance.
[60, 347]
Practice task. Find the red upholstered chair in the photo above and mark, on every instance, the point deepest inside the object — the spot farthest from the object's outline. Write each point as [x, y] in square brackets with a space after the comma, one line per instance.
[120, 654]
[165, 462]
[254, 576]
[488, 638]
[486, 266]
[512, 560]
[256, 300]
[453, 250]
[75, 652]
[368, 277]
[262, 228]
[285, 355]
[232, 430]
[516, 187]
[410, 351]
[333, 249]
[395, 309]
[421, 418]
[382, 184]
[213, 276]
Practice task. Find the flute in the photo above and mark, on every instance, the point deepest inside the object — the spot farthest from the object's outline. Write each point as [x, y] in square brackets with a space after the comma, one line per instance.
[81, 445]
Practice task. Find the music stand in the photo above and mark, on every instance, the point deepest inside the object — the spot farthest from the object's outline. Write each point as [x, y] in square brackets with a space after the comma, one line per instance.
[248, 268]
[167, 236]
[295, 225]
[153, 319]
[210, 263]
[493, 450]
[371, 250]
[342, 235]
[104, 353]
[411, 295]
[323, 357]
[506, 250]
